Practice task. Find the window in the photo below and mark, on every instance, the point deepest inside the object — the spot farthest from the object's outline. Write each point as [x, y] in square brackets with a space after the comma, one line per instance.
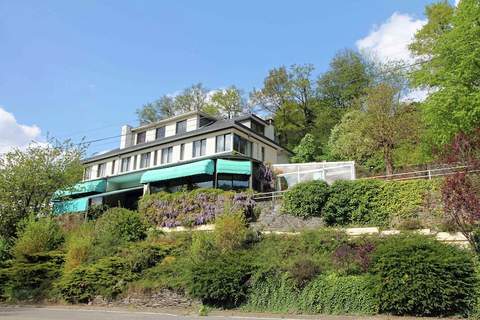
[223, 142]
[263, 154]
[141, 137]
[242, 145]
[181, 127]
[145, 160]
[101, 170]
[87, 174]
[113, 167]
[204, 121]
[257, 127]
[182, 151]
[160, 133]
[134, 162]
[125, 166]
[155, 158]
[199, 148]
[233, 181]
[167, 155]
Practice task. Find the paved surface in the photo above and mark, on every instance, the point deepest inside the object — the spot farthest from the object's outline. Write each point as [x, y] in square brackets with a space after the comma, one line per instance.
[85, 313]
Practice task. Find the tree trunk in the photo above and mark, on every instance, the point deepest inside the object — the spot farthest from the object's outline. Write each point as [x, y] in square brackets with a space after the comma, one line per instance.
[388, 159]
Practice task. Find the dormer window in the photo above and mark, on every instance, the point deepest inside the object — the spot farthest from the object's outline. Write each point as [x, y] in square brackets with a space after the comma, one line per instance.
[160, 133]
[181, 127]
[258, 128]
[141, 137]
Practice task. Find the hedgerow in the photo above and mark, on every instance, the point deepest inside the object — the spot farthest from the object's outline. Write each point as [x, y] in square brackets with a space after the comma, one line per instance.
[306, 199]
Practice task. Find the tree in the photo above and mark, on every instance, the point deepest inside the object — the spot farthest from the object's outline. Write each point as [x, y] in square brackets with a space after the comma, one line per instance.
[449, 45]
[228, 102]
[193, 98]
[28, 179]
[306, 150]
[460, 191]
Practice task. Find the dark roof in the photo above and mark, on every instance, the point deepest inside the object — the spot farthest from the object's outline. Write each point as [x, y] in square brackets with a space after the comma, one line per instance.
[215, 126]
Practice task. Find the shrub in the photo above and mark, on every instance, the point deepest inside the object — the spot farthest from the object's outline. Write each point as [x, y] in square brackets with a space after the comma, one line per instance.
[272, 291]
[302, 271]
[79, 246]
[418, 275]
[33, 280]
[192, 208]
[36, 236]
[354, 202]
[306, 199]
[333, 294]
[230, 231]
[4, 250]
[220, 280]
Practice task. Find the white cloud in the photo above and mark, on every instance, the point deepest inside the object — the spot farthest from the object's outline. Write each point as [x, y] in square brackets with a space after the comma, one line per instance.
[457, 2]
[13, 134]
[390, 40]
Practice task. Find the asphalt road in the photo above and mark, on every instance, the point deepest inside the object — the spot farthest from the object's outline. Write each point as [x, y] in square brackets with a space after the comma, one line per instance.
[85, 313]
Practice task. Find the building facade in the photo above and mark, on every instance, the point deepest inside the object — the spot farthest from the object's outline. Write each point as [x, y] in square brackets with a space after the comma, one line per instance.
[188, 151]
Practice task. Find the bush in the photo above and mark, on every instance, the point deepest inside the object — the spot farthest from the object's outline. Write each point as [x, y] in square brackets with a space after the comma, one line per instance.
[306, 199]
[79, 246]
[354, 202]
[335, 294]
[192, 208]
[421, 276]
[302, 271]
[31, 281]
[230, 231]
[4, 250]
[37, 236]
[220, 280]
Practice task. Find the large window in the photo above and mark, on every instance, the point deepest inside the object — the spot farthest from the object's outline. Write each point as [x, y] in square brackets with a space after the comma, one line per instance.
[204, 121]
[167, 155]
[233, 181]
[223, 142]
[242, 145]
[155, 157]
[87, 174]
[160, 133]
[181, 127]
[145, 160]
[101, 170]
[199, 148]
[257, 127]
[182, 151]
[141, 137]
[134, 167]
[125, 165]
[113, 166]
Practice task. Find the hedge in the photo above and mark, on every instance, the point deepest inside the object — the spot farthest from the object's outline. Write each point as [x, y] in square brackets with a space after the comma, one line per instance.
[362, 202]
[192, 208]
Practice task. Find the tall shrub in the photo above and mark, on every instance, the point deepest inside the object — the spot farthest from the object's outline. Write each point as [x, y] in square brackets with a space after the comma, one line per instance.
[306, 199]
[421, 276]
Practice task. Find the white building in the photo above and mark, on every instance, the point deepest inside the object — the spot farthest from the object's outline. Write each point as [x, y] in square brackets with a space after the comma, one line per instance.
[186, 151]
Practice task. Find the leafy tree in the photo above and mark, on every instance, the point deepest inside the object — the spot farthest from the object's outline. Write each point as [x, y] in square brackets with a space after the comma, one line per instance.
[157, 110]
[450, 47]
[28, 179]
[306, 150]
[228, 102]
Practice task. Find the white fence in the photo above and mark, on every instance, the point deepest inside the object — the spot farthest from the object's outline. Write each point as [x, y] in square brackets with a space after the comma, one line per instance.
[292, 173]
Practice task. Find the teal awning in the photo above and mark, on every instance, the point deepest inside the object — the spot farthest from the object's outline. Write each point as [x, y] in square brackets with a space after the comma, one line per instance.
[94, 186]
[184, 170]
[70, 206]
[109, 193]
[234, 167]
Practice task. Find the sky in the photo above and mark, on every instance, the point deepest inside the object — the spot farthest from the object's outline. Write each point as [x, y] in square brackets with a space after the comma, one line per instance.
[73, 69]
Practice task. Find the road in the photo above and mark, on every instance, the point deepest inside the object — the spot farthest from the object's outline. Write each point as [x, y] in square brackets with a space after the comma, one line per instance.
[84, 313]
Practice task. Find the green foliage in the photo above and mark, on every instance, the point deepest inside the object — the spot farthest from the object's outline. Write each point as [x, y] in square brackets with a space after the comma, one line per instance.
[421, 276]
[449, 46]
[306, 199]
[28, 179]
[230, 231]
[31, 280]
[302, 271]
[79, 245]
[220, 280]
[37, 236]
[4, 250]
[333, 294]
[306, 150]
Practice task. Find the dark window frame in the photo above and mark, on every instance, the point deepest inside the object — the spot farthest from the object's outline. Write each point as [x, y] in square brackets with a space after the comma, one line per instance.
[126, 161]
[242, 145]
[225, 144]
[141, 137]
[101, 169]
[168, 154]
[160, 133]
[181, 124]
[145, 164]
[203, 148]
[182, 151]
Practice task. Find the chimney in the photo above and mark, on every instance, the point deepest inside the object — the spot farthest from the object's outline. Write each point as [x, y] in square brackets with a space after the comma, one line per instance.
[126, 138]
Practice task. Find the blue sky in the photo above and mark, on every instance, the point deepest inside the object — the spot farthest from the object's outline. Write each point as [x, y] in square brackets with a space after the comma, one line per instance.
[71, 67]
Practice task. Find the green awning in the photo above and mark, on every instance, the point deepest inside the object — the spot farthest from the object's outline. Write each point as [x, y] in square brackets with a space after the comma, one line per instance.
[109, 193]
[70, 206]
[94, 186]
[184, 170]
[234, 167]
